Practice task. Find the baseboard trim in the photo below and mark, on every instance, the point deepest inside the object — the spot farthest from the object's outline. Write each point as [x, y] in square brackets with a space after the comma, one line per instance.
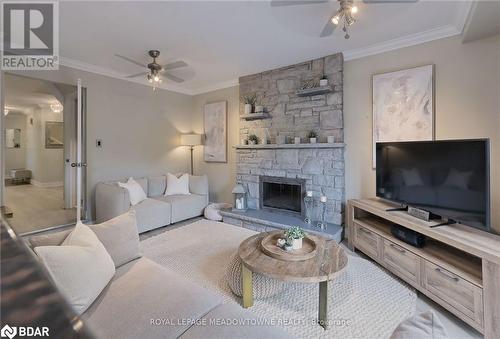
[46, 184]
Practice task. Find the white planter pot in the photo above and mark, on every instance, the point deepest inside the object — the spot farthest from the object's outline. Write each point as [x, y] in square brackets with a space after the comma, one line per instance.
[296, 244]
[323, 82]
[248, 108]
[259, 109]
[296, 140]
[330, 139]
[312, 140]
[251, 142]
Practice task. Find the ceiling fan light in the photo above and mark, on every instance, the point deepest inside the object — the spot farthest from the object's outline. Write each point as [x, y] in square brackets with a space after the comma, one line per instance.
[56, 107]
[354, 9]
[156, 78]
[335, 20]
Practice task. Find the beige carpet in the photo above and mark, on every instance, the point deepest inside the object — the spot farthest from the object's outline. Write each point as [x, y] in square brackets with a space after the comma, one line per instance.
[366, 302]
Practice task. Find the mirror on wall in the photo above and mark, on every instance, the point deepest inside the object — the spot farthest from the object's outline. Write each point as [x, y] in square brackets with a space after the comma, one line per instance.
[13, 138]
[54, 134]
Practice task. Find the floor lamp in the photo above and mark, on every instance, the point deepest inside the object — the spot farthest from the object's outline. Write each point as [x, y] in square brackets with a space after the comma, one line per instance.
[191, 140]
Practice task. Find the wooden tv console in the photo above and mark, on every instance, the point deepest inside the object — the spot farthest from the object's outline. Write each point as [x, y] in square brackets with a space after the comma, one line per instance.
[459, 268]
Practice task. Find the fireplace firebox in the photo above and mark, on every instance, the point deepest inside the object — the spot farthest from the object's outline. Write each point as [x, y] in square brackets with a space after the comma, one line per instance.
[282, 194]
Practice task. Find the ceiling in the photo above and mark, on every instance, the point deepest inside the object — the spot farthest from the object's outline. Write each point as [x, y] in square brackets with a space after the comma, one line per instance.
[222, 40]
[22, 93]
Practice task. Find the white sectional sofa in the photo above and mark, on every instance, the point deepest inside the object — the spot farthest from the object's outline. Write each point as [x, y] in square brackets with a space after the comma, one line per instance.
[158, 210]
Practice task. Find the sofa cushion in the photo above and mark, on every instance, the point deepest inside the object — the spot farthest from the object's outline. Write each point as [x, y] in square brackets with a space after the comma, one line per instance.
[152, 213]
[198, 184]
[80, 267]
[157, 185]
[49, 239]
[232, 321]
[177, 185]
[143, 292]
[185, 206]
[135, 191]
[120, 237]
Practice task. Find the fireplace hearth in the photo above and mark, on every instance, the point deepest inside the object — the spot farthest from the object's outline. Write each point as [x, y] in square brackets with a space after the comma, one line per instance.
[282, 194]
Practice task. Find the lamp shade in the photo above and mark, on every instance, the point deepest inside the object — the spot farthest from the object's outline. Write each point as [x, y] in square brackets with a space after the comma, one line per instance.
[190, 139]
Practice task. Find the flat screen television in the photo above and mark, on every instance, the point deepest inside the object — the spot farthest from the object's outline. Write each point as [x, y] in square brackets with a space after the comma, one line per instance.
[449, 178]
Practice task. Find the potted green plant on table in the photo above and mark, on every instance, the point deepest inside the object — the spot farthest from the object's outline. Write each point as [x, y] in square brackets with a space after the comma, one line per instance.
[294, 236]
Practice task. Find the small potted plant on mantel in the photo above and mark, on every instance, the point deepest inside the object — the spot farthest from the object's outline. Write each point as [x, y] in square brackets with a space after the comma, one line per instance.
[253, 139]
[323, 81]
[294, 236]
[312, 137]
[249, 101]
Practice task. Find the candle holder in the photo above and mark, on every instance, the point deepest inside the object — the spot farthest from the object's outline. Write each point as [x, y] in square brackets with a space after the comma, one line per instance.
[322, 222]
[309, 204]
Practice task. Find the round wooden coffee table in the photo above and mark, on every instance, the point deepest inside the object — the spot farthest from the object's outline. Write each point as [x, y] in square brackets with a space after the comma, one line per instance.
[330, 258]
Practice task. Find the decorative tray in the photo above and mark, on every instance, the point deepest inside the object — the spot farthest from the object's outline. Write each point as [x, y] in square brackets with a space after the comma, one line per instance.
[268, 246]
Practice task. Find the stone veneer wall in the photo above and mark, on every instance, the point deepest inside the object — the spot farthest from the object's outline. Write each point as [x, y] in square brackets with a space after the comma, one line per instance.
[290, 115]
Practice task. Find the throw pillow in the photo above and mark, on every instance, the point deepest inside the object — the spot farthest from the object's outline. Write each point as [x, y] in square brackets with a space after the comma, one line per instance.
[412, 177]
[80, 268]
[421, 326]
[458, 179]
[177, 185]
[120, 237]
[135, 191]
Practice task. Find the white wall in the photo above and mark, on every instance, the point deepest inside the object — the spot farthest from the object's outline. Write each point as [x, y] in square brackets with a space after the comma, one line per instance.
[15, 157]
[467, 92]
[222, 177]
[139, 128]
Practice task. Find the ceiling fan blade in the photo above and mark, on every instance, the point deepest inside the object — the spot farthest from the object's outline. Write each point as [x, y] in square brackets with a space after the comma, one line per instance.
[136, 75]
[328, 29]
[388, 1]
[130, 60]
[173, 65]
[281, 3]
[173, 78]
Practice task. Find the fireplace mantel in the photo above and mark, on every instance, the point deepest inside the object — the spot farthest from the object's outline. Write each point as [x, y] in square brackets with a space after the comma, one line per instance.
[291, 146]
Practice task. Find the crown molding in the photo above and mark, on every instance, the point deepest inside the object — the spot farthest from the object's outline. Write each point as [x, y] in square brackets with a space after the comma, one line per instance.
[217, 86]
[83, 66]
[465, 9]
[406, 41]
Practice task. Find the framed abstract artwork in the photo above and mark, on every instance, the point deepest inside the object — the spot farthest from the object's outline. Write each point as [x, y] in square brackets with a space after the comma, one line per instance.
[215, 127]
[403, 105]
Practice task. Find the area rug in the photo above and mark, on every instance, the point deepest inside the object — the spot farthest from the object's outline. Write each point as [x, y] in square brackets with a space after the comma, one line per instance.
[365, 301]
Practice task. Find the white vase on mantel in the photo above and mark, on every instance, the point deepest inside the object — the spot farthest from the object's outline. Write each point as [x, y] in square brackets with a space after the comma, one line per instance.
[312, 140]
[296, 244]
[248, 108]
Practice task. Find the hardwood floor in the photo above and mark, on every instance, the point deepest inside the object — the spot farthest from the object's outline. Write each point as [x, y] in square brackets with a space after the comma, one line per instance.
[36, 208]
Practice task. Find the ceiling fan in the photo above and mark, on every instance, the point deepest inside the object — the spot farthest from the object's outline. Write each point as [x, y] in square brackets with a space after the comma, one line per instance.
[343, 16]
[155, 71]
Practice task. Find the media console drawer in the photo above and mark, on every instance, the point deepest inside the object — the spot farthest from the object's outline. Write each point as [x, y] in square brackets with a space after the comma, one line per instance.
[456, 291]
[402, 261]
[367, 241]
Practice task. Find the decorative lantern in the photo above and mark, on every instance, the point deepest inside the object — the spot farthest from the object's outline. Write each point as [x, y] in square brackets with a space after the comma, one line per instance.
[240, 198]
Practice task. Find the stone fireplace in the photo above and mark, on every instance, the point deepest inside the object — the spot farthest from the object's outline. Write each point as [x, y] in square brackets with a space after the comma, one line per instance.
[282, 194]
[292, 169]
